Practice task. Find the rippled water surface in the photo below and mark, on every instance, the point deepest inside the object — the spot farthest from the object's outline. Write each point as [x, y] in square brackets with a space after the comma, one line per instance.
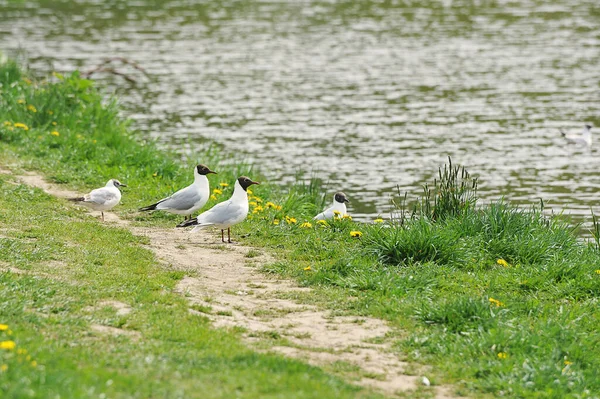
[365, 94]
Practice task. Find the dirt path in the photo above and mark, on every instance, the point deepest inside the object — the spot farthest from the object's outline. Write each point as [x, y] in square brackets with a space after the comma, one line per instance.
[225, 285]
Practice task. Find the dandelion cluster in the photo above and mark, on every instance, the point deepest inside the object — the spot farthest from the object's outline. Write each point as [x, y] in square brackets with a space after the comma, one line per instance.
[502, 262]
[495, 302]
[10, 345]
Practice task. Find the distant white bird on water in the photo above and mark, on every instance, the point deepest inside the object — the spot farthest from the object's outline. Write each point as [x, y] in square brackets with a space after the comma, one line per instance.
[583, 138]
[339, 205]
[227, 213]
[189, 199]
[102, 199]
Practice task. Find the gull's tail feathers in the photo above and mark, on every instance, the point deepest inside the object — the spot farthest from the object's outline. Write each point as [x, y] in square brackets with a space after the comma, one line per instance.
[150, 208]
[186, 223]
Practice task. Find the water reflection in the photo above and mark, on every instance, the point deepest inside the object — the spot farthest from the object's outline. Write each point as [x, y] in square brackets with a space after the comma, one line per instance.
[365, 94]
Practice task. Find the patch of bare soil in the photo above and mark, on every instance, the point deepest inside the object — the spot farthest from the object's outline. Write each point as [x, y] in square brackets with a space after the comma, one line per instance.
[225, 285]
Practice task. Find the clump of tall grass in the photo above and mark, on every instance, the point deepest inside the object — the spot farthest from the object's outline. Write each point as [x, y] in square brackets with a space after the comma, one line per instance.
[454, 192]
[447, 227]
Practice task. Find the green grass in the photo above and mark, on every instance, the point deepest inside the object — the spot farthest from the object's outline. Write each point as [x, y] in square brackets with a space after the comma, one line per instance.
[68, 264]
[58, 265]
[499, 299]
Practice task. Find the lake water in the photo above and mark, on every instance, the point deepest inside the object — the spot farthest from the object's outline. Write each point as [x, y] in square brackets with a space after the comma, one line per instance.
[366, 95]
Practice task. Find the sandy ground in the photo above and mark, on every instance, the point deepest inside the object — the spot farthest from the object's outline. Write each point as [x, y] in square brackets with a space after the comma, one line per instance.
[225, 284]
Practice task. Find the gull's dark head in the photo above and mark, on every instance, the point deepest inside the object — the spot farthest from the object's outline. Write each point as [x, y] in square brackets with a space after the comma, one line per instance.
[246, 182]
[204, 170]
[340, 197]
[117, 183]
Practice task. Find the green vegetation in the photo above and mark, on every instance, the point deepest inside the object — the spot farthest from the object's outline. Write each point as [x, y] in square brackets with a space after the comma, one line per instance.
[57, 264]
[500, 299]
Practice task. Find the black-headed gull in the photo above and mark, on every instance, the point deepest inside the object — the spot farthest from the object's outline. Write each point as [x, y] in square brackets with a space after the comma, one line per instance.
[339, 205]
[102, 199]
[227, 213]
[189, 199]
[584, 138]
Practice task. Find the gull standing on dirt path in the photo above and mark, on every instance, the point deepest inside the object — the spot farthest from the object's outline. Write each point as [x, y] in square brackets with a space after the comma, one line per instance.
[102, 199]
[339, 205]
[585, 137]
[189, 199]
[227, 213]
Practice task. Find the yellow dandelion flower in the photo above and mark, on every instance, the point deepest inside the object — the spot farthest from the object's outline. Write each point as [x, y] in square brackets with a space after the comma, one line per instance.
[306, 225]
[495, 302]
[502, 262]
[275, 222]
[257, 199]
[21, 351]
[7, 345]
[4, 367]
[55, 133]
[53, 123]
[502, 355]
[252, 203]
[7, 123]
[378, 220]
[568, 363]
[20, 101]
[307, 269]
[31, 108]
[356, 234]
[94, 141]
[322, 223]
[34, 364]
[154, 174]
[290, 220]
[597, 271]
[337, 213]
[270, 205]
[249, 192]
[3, 327]
[22, 126]
[213, 197]
[217, 191]
[257, 209]
[223, 184]
[347, 217]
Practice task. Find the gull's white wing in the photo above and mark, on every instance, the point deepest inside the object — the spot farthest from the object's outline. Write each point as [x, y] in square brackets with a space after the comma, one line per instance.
[223, 213]
[101, 196]
[182, 200]
[326, 214]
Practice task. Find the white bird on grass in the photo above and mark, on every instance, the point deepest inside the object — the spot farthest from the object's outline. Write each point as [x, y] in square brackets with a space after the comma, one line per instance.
[102, 199]
[189, 199]
[227, 213]
[339, 205]
[584, 138]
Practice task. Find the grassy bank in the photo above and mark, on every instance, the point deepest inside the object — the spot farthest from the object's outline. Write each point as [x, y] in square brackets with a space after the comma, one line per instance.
[59, 265]
[500, 299]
